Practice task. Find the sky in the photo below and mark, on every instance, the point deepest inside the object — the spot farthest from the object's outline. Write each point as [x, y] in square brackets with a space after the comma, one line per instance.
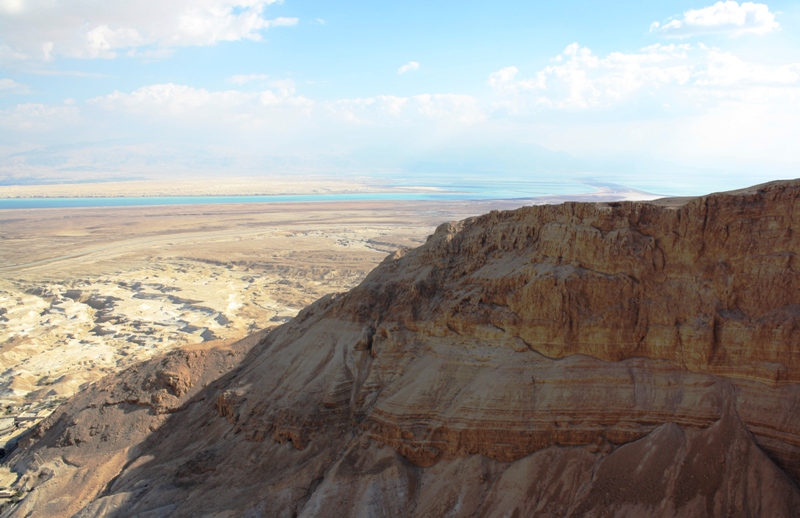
[680, 97]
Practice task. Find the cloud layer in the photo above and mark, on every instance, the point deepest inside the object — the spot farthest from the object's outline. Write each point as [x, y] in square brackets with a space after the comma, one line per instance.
[411, 66]
[279, 106]
[674, 100]
[9, 86]
[581, 80]
[727, 17]
[682, 101]
[46, 29]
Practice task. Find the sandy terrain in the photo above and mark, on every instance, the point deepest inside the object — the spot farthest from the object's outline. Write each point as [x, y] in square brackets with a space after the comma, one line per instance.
[86, 292]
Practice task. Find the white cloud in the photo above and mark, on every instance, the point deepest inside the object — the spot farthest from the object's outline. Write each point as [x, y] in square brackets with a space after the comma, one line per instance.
[673, 102]
[46, 29]
[285, 87]
[726, 69]
[240, 79]
[411, 66]
[185, 105]
[9, 54]
[199, 108]
[319, 21]
[727, 17]
[272, 129]
[9, 86]
[38, 118]
[680, 103]
[150, 54]
[583, 80]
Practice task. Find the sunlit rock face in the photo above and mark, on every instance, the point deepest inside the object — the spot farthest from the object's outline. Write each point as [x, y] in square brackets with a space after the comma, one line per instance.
[622, 359]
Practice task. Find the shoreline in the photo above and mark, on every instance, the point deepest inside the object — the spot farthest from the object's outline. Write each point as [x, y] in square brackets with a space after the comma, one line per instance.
[600, 194]
[276, 190]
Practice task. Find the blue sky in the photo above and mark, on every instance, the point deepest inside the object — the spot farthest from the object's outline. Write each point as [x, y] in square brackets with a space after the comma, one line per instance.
[675, 97]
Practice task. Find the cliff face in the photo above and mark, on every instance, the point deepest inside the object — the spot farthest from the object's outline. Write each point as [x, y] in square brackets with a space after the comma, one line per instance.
[711, 284]
[569, 360]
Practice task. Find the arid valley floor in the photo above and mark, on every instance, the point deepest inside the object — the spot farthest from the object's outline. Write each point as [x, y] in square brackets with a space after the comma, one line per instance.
[89, 291]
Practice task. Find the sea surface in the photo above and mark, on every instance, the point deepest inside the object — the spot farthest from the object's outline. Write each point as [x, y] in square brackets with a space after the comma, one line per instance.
[499, 191]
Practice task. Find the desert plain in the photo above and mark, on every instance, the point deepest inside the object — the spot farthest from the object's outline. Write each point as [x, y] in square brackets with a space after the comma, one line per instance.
[85, 292]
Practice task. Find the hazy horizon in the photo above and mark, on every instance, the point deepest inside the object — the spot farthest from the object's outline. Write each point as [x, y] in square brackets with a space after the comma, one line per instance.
[674, 97]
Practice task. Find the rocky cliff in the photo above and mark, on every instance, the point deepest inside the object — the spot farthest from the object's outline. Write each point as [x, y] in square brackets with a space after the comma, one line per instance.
[618, 359]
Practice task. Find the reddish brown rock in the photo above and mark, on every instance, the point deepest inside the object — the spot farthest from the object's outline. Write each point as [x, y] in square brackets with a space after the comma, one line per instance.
[621, 359]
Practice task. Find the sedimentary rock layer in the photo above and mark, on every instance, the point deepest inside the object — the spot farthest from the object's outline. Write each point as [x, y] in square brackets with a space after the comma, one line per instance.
[571, 360]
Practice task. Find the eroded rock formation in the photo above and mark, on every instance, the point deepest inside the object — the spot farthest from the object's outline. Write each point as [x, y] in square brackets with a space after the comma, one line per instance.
[620, 359]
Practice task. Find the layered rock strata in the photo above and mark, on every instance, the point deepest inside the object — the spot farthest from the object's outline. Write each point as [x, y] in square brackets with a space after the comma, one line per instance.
[612, 359]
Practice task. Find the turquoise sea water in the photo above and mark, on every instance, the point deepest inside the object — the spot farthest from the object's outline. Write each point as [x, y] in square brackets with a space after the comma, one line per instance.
[507, 190]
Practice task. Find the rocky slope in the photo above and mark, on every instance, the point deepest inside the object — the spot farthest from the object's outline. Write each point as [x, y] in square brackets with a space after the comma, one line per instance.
[618, 359]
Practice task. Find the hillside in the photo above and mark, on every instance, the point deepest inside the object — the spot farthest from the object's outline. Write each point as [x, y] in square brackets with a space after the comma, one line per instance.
[582, 359]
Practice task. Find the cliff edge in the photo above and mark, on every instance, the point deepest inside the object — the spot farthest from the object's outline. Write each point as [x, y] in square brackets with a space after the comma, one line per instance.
[582, 359]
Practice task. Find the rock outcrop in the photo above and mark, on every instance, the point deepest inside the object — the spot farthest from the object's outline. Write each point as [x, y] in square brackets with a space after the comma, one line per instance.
[609, 359]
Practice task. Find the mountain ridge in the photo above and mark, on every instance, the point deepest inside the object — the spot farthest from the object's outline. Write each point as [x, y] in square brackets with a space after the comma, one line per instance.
[582, 359]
